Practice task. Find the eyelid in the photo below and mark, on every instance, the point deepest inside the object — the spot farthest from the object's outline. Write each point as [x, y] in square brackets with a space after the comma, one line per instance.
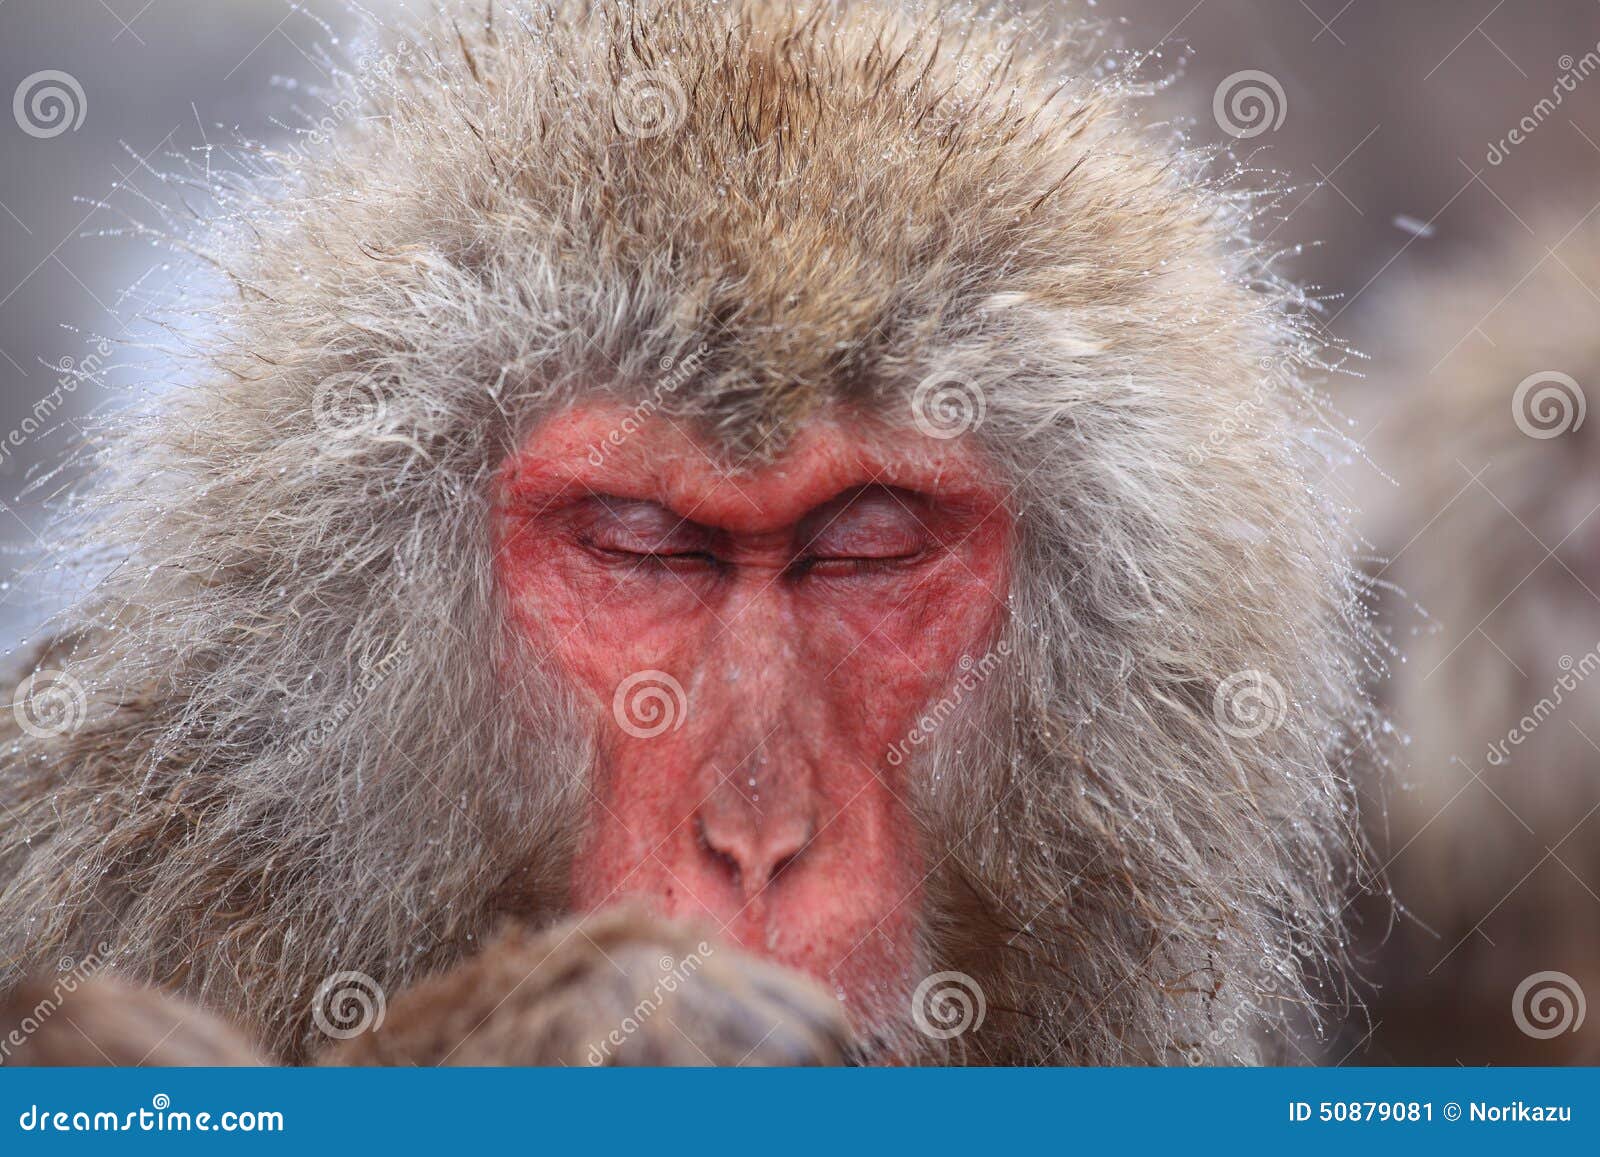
[870, 535]
[640, 527]
[874, 522]
[908, 546]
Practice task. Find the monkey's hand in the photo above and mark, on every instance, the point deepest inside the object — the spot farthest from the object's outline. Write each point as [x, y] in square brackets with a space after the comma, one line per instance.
[101, 1020]
[616, 988]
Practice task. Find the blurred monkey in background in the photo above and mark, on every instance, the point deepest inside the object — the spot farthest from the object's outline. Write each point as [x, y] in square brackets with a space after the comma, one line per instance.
[1490, 536]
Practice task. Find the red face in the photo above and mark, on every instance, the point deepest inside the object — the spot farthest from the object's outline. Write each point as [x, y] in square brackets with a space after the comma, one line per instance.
[753, 644]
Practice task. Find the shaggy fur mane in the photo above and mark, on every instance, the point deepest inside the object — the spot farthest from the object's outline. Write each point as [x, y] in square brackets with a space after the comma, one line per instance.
[294, 760]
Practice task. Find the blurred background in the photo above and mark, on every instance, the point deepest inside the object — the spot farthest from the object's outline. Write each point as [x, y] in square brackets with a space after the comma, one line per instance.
[1438, 160]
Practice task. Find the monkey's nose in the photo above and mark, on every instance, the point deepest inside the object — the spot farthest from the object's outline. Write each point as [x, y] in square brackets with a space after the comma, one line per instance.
[751, 848]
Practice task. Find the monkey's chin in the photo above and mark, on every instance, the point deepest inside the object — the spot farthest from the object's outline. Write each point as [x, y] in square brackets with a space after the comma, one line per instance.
[864, 958]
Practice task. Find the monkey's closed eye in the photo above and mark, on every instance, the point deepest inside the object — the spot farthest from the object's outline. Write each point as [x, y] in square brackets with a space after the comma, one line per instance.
[848, 565]
[637, 532]
[871, 530]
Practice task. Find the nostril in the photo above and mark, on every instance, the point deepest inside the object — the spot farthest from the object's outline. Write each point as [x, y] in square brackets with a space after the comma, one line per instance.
[782, 865]
[726, 859]
[787, 850]
[753, 855]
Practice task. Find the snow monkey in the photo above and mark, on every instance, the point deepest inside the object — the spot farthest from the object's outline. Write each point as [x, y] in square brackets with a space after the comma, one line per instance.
[797, 521]
[1490, 526]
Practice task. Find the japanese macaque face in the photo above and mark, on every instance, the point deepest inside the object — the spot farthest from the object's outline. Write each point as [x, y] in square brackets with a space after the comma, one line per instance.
[750, 643]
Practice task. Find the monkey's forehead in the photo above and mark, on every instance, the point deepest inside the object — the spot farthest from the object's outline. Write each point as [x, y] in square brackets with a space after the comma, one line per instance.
[834, 207]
